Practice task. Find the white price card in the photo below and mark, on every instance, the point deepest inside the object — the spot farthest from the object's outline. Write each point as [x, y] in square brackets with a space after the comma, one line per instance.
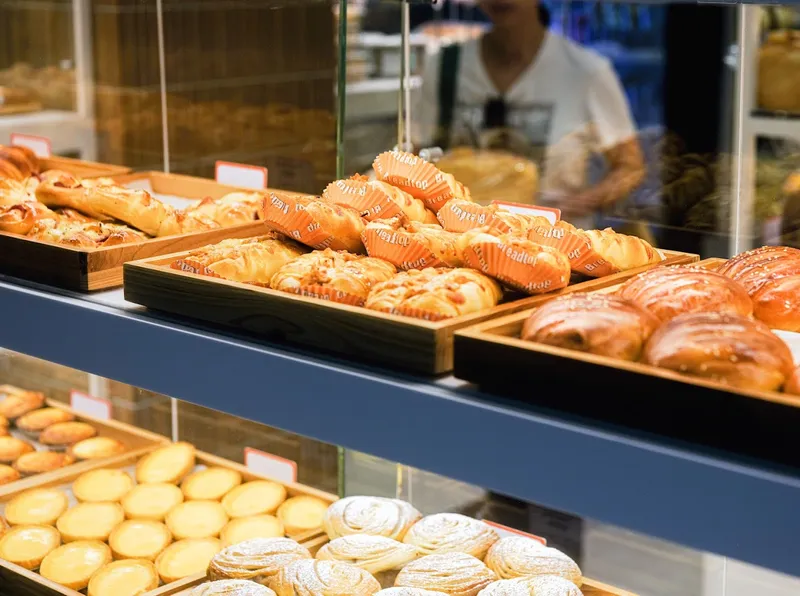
[551, 213]
[504, 531]
[272, 466]
[89, 405]
[41, 146]
[238, 174]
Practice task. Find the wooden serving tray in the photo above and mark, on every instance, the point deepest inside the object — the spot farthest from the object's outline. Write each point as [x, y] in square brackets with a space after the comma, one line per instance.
[81, 168]
[761, 424]
[18, 580]
[368, 336]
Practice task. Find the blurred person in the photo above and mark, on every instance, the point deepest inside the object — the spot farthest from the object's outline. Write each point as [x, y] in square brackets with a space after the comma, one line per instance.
[524, 89]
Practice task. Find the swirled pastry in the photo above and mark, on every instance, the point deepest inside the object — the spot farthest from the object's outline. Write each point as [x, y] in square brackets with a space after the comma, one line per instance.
[232, 209]
[331, 275]
[412, 245]
[456, 574]
[518, 556]
[323, 578]
[730, 349]
[21, 217]
[377, 200]
[540, 585]
[376, 516]
[451, 533]
[754, 259]
[381, 556]
[22, 158]
[601, 324]
[258, 560]
[435, 293]
[408, 592]
[231, 587]
[17, 404]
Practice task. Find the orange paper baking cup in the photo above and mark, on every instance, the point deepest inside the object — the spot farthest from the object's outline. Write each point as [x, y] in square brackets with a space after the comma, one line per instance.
[285, 215]
[399, 248]
[417, 177]
[416, 313]
[327, 293]
[192, 266]
[371, 202]
[461, 216]
[582, 258]
[515, 267]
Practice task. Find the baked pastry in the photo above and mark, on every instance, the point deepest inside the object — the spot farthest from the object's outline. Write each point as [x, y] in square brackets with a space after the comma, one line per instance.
[670, 291]
[377, 200]
[4, 432]
[376, 516]
[792, 386]
[37, 506]
[602, 324]
[166, 464]
[90, 521]
[139, 539]
[232, 209]
[124, 578]
[4, 423]
[730, 349]
[25, 161]
[196, 519]
[210, 484]
[408, 592]
[36, 421]
[8, 474]
[518, 556]
[411, 245]
[323, 578]
[258, 560]
[301, 514]
[381, 556]
[12, 447]
[247, 528]
[745, 261]
[80, 234]
[73, 564]
[435, 293]
[97, 448]
[314, 221]
[38, 462]
[231, 587]
[254, 498]
[331, 275]
[540, 585]
[4, 525]
[63, 190]
[21, 218]
[64, 434]
[451, 533]
[151, 501]
[249, 260]
[515, 261]
[105, 484]
[186, 557]
[461, 216]
[457, 574]
[26, 546]
[17, 404]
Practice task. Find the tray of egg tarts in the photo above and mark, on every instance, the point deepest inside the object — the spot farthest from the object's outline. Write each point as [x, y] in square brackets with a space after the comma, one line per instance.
[385, 270]
[145, 520]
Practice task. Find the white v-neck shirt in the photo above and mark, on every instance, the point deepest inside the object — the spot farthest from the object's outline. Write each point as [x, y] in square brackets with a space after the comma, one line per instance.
[568, 103]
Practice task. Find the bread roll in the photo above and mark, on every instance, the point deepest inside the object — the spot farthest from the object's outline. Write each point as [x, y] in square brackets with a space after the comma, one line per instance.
[380, 556]
[458, 215]
[456, 574]
[258, 560]
[451, 533]
[233, 209]
[668, 292]
[323, 578]
[730, 349]
[600, 324]
[377, 200]
[62, 190]
[376, 516]
[20, 159]
[22, 217]
[411, 245]
[540, 585]
[792, 385]
[518, 556]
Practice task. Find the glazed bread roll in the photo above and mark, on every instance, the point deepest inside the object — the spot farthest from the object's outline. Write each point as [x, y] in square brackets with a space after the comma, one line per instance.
[39, 462]
[376, 516]
[459, 215]
[231, 587]
[63, 434]
[456, 574]
[83, 234]
[22, 217]
[451, 533]
[792, 385]
[668, 292]
[62, 190]
[730, 349]
[380, 556]
[323, 578]
[258, 560]
[18, 404]
[540, 585]
[11, 448]
[601, 324]
[232, 209]
[435, 293]
[621, 251]
[22, 158]
[36, 421]
[377, 200]
[518, 556]
[412, 245]
[750, 259]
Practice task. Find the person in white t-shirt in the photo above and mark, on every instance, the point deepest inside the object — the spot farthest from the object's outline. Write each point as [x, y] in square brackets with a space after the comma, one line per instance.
[525, 89]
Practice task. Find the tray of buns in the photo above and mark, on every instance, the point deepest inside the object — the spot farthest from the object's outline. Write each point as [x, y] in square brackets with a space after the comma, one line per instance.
[41, 437]
[75, 231]
[381, 272]
[707, 353]
[173, 507]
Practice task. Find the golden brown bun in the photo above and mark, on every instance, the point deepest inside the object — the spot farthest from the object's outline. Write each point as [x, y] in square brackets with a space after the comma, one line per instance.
[4, 432]
[377, 200]
[37, 506]
[518, 556]
[323, 578]
[380, 556]
[12, 447]
[90, 521]
[540, 585]
[4, 525]
[62, 190]
[301, 514]
[792, 385]
[741, 263]
[22, 158]
[26, 546]
[66, 433]
[186, 557]
[601, 324]
[451, 533]
[412, 245]
[33, 159]
[435, 293]
[139, 539]
[8, 474]
[459, 215]
[22, 217]
[151, 501]
[457, 574]
[73, 564]
[105, 484]
[17, 404]
[233, 209]
[38, 462]
[258, 560]
[79, 234]
[166, 464]
[124, 578]
[254, 498]
[247, 528]
[4, 422]
[621, 251]
[231, 587]
[730, 349]
[210, 484]
[38, 420]
[9, 170]
[376, 516]
[97, 447]
[196, 519]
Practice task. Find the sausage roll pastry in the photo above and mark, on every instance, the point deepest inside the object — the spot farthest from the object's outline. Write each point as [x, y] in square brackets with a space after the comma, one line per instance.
[89, 235]
[410, 245]
[377, 200]
[230, 210]
[22, 217]
[59, 189]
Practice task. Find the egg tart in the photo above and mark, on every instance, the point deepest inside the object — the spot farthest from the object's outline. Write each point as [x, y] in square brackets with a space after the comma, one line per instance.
[254, 498]
[151, 501]
[196, 519]
[64, 434]
[18, 404]
[186, 557]
[36, 421]
[302, 513]
[246, 528]
[124, 578]
[38, 462]
[26, 546]
[12, 447]
[210, 484]
[102, 485]
[37, 506]
[97, 447]
[90, 521]
[71, 565]
[139, 539]
[166, 464]
[8, 474]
